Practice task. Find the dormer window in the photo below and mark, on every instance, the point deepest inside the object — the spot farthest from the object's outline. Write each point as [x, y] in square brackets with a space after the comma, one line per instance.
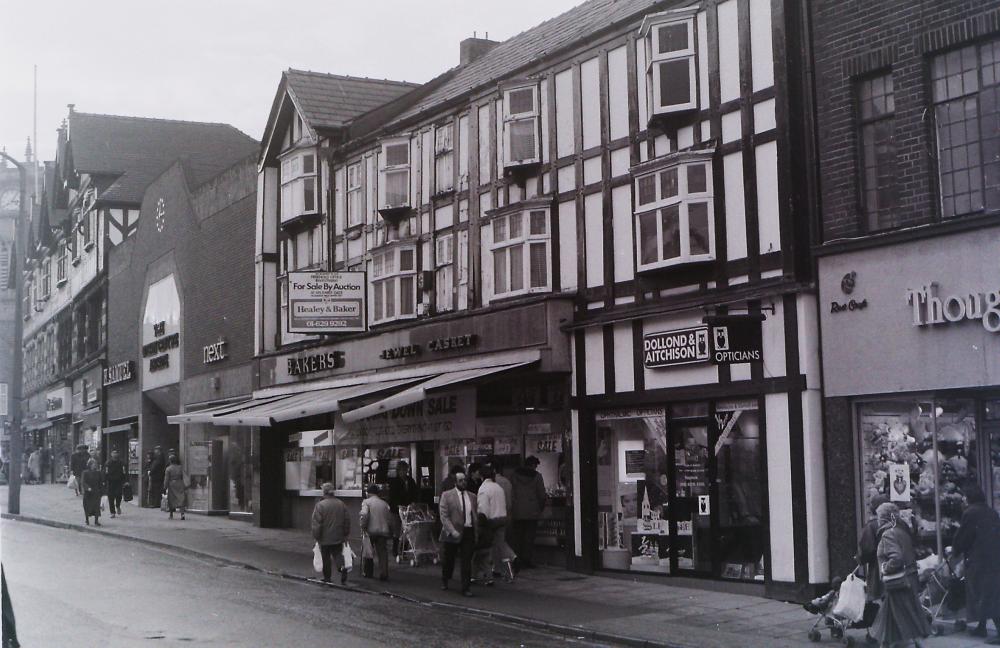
[298, 186]
[394, 177]
[671, 62]
[674, 210]
[393, 284]
[521, 126]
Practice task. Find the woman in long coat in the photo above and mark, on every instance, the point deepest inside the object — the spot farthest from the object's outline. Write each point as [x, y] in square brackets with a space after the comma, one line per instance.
[978, 539]
[92, 484]
[175, 486]
[900, 619]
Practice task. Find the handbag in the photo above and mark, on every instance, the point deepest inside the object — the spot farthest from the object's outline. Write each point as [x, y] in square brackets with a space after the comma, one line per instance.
[850, 604]
[896, 581]
[317, 559]
[348, 555]
[164, 503]
[127, 491]
[71, 482]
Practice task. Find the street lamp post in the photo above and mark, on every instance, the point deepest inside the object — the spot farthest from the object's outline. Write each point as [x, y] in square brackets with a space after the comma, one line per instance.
[17, 271]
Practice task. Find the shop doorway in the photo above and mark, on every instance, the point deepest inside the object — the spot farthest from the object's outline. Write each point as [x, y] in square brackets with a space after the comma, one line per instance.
[681, 490]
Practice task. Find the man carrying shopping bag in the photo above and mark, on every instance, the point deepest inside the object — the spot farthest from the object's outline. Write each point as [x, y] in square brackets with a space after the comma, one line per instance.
[330, 527]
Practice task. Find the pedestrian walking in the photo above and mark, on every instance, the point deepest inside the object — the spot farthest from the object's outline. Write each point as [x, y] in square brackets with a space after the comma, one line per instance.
[157, 468]
[475, 477]
[403, 491]
[900, 619]
[448, 482]
[330, 527]
[92, 484]
[528, 501]
[978, 539]
[115, 476]
[458, 514]
[78, 463]
[492, 547]
[26, 467]
[377, 523]
[35, 466]
[175, 487]
[868, 556]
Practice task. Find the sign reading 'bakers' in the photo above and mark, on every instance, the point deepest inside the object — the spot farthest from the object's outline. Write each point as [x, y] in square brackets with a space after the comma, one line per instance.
[672, 348]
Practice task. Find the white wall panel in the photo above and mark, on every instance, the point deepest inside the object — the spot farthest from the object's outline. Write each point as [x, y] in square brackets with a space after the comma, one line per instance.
[736, 220]
[624, 355]
[761, 50]
[621, 224]
[565, 144]
[729, 51]
[773, 333]
[702, 25]
[444, 216]
[732, 127]
[620, 161]
[590, 94]
[463, 151]
[594, 352]
[779, 487]
[816, 525]
[574, 420]
[763, 116]
[594, 218]
[567, 178]
[768, 226]
[618, 92]
[640, 72]
[592, 170]
[484, 144]
[543, 106]
[572, 364]
[426, 170]
[567, 246]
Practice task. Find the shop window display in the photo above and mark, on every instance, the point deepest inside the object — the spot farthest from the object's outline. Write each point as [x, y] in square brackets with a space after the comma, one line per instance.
[991, 430]
[921, 454]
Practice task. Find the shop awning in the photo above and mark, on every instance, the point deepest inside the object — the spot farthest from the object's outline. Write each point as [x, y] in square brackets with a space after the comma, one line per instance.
[205, 415]
[419, 392]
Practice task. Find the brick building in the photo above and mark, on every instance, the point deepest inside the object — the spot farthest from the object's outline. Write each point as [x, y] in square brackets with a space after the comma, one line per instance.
[908, 142]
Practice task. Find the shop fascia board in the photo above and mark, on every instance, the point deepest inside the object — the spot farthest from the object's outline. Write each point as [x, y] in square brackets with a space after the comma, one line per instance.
[425, 370]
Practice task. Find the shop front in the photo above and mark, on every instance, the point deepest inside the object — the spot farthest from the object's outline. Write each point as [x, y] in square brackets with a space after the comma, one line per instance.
[488, 387]
[912, 380]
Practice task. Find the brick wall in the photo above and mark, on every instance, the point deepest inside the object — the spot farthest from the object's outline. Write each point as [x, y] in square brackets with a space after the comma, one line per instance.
[853, 38]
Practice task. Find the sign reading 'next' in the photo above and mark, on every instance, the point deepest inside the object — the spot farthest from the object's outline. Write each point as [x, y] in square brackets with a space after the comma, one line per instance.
[326, 302]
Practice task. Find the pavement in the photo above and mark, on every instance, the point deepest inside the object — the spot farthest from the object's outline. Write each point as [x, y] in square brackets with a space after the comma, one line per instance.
[618, 610]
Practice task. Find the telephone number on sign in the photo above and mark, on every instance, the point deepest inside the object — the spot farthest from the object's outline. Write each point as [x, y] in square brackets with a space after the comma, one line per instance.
[326, 323]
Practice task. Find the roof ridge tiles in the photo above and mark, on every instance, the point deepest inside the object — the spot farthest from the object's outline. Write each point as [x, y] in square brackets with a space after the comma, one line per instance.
[77, 113]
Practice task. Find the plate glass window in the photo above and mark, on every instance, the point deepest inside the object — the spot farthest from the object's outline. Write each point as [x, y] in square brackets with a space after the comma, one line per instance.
[876, 112]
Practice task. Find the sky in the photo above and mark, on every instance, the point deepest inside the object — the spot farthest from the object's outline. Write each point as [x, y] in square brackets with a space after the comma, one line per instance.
[221, 60]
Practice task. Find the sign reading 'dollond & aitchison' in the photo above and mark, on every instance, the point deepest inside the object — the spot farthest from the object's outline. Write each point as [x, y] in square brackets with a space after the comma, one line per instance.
[326, 302]
[726, 340]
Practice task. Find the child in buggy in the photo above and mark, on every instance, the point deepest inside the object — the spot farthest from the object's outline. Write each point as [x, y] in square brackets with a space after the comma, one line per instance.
[827, 614]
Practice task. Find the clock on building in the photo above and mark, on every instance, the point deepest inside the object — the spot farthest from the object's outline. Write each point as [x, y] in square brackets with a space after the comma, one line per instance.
[161, 215]
[10, 200]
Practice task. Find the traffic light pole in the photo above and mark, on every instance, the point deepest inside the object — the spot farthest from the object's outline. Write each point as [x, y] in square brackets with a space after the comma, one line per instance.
[14, 392]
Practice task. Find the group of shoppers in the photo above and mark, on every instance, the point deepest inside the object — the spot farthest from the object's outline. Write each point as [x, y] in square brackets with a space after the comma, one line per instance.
[886, 552]
[481, 512]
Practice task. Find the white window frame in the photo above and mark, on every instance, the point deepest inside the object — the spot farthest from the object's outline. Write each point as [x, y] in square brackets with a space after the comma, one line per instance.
[444, 156]
[45, 279]
[524, 241]
[386, 278]
[650, 32]
[444, 273]
[4, 409]
[510, 118]
[61, 265]
[295, 180]
[385, 169]
[355, 195]
[682, 163]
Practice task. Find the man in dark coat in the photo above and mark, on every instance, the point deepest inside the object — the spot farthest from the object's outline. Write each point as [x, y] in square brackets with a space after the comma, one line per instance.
[156, 470]
[78, 463]
[403, 491]
[978, 539]
[115, 475]
[529, 498]
[330, 528]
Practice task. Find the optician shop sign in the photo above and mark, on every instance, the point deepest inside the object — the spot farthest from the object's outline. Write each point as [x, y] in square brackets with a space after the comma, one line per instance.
[326, 302]
[725, 340]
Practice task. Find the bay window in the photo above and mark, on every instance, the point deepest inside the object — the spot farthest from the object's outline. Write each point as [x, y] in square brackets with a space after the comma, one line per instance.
[298, 186]
[393, 284]
[444, 273]
[355, 213]
[521, 126]
[394, 176]
[444, 156]
[671, 61]
[521, 251]
[675, 222]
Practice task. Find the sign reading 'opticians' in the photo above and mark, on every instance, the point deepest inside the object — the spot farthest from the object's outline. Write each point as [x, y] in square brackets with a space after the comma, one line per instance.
[326, 302]
[672, 348]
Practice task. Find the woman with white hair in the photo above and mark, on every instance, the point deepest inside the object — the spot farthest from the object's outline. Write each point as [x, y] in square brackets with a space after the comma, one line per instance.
[900, 619]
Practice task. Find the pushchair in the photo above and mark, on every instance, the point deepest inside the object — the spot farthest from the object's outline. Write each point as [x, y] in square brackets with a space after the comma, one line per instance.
[943, 594]
[823, 608]
[417, 534]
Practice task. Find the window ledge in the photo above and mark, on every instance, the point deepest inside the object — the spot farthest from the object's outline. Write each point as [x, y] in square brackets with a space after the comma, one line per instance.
[665, 266]
[301, 221]
[443, 193]
[401, 318]
[88, 247]
[61, 282]
[353, 232]
[395, 214]
[76, 260]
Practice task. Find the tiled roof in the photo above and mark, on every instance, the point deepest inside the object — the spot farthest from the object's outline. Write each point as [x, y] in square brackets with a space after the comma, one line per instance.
[535, 44]
[330, 100]
[133, 151]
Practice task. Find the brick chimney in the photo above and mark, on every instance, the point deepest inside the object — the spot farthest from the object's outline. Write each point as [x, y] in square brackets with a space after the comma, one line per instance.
[472, 48]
